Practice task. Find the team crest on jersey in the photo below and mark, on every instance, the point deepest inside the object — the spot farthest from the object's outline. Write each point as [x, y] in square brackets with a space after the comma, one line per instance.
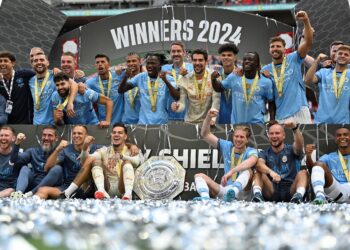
[284, 159]
[20, 82]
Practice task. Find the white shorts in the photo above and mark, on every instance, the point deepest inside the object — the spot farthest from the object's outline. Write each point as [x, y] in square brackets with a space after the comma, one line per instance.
[303, 116]
[242, 196]
[340, 193]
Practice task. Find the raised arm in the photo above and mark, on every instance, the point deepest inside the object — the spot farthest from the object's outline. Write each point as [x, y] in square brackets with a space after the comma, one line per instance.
[217, 86]
[310, 76]
[298, 144]
[175, 93]
[89, 140]
[52, 160]
[305, 46]
[210, 138]
[23, 158]
[124, 86]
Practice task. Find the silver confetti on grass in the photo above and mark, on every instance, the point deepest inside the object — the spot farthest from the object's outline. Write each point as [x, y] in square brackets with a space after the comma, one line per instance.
[213, 224]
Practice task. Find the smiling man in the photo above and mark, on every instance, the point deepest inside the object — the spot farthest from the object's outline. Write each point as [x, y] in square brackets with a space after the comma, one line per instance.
[279, 177]
[30, 179]
[155, 88]
[238, 159]
[8, 172]
[228, 59]
[330, 175]
[285, 71]
[177, 69]
[196, 91]
[334, 86]
[42, 86]
[107, 82]
[14, 86]
[250, 92]
[71, 157]
[132, 97]
[85, 114]
[111, 167]
[116, 164]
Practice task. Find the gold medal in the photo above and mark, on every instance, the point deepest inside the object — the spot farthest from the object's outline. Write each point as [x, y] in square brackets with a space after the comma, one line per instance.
[279, 81]
[200, 91]
[246, 86]
[338, 87]
[153, 92]
[38, 91]
[109, 84]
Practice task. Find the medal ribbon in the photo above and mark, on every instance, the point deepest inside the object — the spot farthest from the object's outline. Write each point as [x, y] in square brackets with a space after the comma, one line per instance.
[153, 93]
[338, 87]
[132, 94]
[11, 85]
[234, 163]
[343, 164]
[118, 166]
[279, 81]
[227, 92]
[200, 92]
[109, 84]
[36, 91]
[173, 73]
[63, 104]
[252, 90]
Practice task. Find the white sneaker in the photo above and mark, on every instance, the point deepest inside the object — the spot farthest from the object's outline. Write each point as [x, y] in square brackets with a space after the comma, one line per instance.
[28, 194]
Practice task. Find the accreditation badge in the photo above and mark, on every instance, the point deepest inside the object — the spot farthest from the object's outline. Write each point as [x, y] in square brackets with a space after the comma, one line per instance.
[9, 106]
[159, 178]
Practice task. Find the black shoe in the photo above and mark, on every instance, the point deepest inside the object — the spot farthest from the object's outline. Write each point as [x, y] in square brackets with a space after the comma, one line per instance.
[297, 198]
[257, 197]
[62, 196]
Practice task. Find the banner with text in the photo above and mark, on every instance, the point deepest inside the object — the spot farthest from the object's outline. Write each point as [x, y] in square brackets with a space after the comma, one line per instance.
[154, 29]
[184, 143]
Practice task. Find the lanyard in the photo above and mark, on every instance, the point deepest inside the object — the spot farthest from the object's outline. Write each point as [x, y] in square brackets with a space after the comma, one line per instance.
[153, 93]
[338, 87]
[279, 81]
[252, 90]
[36, 91]
[11, 85]
[109, 84]
[235, 164]
[200, 92]
[343, 164]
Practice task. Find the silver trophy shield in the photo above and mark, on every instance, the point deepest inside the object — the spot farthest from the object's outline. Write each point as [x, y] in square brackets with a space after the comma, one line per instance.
[159, 178]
